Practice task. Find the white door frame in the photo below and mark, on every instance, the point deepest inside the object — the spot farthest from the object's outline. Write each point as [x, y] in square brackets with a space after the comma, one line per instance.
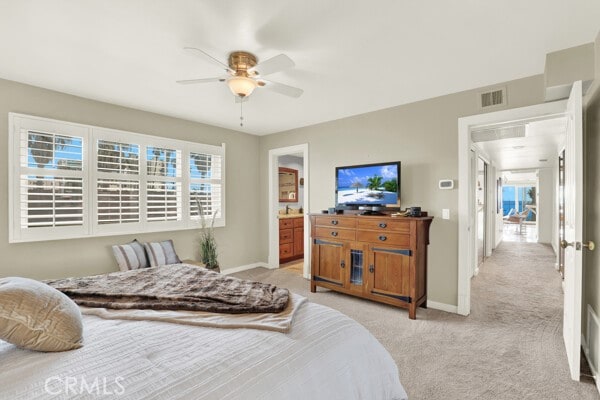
[466, 234]
[272, 219]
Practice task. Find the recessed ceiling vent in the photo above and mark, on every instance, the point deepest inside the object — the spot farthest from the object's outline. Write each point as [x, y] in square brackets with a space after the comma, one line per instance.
[505, 132]
[492, 99]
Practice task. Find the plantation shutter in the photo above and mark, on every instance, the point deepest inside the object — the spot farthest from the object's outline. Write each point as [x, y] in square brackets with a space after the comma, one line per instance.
[206, 185]
[163, 186]
[117, 183]
[51, 180]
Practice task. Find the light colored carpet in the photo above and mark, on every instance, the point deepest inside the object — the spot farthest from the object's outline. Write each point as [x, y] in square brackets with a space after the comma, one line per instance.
[510, 347]
[296, 266]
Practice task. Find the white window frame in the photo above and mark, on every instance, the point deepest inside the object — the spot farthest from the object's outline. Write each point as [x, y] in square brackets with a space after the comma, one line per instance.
[91, 134]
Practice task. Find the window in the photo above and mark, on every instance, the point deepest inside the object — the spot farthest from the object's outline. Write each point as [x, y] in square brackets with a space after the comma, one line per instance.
[71, 180]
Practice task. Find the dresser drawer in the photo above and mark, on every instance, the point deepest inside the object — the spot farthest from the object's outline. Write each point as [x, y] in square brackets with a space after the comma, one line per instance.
[286, 250]
[398, 226]
[286, 223]
[388, 238]
[286, 236]
[298, 222]
[339, 222]
[333, 233]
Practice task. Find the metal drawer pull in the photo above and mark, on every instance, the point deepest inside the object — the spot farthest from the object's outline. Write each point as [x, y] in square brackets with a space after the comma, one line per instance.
[383, 225]
[371, 268]
[334, 233]
[383, 238]
[334, 222]
[343, 264]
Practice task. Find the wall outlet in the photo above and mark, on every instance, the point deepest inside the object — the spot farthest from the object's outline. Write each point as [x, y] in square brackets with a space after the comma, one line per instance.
[445, 213]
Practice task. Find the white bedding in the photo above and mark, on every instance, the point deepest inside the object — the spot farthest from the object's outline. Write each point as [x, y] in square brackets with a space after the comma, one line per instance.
[278, 322]
[326, 355]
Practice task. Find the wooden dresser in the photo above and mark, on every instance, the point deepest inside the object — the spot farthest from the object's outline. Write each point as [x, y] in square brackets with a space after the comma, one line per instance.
[380, 258]
[291, 238]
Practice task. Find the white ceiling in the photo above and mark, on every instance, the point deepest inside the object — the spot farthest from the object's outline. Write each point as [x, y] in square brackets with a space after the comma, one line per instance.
[352, 56]
[543, 141]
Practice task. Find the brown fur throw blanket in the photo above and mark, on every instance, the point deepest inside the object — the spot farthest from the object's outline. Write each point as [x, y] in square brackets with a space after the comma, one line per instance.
[173, 287]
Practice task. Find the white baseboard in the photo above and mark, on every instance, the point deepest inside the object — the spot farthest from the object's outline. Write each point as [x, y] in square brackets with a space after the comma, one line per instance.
[442, 307]
[244, 268]
[586, 352]
[590, 346]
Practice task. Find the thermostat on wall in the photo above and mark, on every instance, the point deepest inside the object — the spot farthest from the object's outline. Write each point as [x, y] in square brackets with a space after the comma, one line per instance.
[446, 184]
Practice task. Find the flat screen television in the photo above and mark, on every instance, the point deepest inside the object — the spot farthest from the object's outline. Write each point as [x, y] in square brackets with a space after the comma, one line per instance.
[369, 187]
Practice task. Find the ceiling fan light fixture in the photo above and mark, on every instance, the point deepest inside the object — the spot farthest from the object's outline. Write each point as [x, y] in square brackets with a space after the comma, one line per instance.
[241, 86]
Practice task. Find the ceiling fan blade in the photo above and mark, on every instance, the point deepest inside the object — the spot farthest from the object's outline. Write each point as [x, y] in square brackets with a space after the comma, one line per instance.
[206, 56]
[202, 80]
[272, 65]
[283, 89]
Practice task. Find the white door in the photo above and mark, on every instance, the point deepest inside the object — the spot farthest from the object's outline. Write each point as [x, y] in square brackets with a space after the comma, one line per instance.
[573, 229]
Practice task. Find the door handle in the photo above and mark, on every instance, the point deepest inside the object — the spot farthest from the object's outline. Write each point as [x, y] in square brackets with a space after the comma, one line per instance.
[564, 244]
[343, 264]
[590, 245]
[371, 268]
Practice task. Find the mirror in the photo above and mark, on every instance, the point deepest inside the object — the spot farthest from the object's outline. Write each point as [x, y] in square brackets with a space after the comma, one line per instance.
[288, 185]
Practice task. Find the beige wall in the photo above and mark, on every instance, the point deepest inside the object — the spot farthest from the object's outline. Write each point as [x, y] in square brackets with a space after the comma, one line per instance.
[565, 66]
[423, 136]
[238, 242]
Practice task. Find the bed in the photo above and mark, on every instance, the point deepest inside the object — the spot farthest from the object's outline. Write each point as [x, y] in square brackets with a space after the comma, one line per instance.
[325, 355]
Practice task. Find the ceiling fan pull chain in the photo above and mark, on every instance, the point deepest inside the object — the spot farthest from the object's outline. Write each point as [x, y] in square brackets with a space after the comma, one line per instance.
[241, 113]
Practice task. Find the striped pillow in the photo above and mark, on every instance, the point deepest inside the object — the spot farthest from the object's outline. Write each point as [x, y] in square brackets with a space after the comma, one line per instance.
[161, 253]
[130, 256]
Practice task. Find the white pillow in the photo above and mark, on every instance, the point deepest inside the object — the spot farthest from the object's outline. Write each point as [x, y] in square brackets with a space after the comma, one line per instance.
[38, 317]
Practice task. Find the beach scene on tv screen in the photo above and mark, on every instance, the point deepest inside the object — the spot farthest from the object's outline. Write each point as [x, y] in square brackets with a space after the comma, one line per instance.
[368, 185]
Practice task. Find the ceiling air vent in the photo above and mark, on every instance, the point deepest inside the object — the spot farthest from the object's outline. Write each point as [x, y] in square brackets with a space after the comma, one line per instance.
[493, 98]
[505, 132]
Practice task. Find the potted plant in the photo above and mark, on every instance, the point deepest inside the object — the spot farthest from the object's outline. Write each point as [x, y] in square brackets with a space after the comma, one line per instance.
[208, 243]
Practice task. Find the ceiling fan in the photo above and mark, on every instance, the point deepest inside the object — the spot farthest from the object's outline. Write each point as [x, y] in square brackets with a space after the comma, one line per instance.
[244, 73]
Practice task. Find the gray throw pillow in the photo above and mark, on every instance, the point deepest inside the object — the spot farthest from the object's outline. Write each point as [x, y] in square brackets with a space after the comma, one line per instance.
[130, 256]
[161, 253]
[38, 317]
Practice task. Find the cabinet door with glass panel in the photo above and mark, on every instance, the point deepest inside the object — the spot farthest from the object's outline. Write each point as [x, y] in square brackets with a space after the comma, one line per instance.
[356, 275]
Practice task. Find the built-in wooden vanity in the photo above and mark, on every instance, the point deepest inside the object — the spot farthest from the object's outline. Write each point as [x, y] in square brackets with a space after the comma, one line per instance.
[381, 258]
[291, 237]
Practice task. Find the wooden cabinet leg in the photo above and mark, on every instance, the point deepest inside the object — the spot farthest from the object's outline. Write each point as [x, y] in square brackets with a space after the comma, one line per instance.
[412, 311]
[313, 287]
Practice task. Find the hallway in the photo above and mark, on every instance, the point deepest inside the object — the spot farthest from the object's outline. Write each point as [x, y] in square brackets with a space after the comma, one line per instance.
[518, 293]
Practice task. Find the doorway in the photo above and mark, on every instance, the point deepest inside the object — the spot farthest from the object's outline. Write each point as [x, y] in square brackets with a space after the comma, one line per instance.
[520, 205]
[291, 212]
[467, 240]
[570, 112]
[296, 200]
